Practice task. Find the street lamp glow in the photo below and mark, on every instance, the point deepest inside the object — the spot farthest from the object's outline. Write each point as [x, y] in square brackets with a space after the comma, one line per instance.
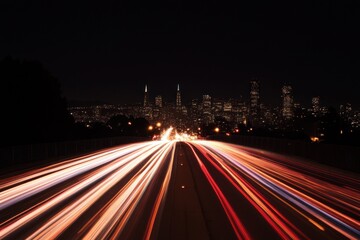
[217, 129]
[158, 124]
[150, 127]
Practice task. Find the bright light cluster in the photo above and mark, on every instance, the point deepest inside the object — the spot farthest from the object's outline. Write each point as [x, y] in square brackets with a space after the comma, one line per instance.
[103, 195]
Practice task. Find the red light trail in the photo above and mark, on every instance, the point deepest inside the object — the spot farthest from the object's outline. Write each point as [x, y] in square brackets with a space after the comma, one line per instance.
[121, 192]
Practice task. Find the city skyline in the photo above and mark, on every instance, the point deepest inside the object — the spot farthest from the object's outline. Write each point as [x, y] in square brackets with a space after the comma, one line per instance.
[231, 113]
[208, 110]
[107, 52]
[248, 97]
[179, 119]
[270, 92]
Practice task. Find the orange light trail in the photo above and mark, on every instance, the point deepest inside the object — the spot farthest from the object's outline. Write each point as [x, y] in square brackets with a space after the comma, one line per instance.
[121, 192]
[295, 189]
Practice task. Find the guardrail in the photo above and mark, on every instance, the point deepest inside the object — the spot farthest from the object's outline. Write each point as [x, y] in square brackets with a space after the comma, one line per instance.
[40, 152]
[339, 156]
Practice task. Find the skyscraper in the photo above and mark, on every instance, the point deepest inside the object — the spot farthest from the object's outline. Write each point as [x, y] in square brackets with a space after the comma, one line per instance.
[147, 109]
[288, 105]
[254, 98]
[146, 97]
[206, 108]
[178, 98]
[218, 106]
[158, 101]
[315, 106]
[195, 112]
[345, 111]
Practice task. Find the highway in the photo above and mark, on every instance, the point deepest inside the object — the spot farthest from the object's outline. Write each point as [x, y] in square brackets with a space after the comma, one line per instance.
[180, 190]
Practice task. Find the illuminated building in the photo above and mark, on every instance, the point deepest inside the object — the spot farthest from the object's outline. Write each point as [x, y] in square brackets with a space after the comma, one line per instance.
[315, 106]
[288, 106]
[206, 107]
[345, 110]
[254, 98]
[218, 106]
[147, 111]
[146, 97]
[158, 101]
[237, 106]
[178, 98]
[195, 110]
[228, 110]
[227, 106]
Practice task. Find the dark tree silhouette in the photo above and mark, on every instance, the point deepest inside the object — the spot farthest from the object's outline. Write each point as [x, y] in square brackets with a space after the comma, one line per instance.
[119, 124]
[223, 125]
[122, 125]
[33, 109]
[140, 127]
[331, 125]
[99, 129]
[207, 129]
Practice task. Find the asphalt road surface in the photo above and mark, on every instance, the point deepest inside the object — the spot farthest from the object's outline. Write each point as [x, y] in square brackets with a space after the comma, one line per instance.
[180, 190]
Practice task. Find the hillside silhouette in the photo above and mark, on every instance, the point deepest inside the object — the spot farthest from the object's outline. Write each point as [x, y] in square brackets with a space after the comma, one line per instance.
[34, 109]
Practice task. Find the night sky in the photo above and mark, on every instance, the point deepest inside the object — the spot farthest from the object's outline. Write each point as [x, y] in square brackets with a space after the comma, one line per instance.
[108, 50]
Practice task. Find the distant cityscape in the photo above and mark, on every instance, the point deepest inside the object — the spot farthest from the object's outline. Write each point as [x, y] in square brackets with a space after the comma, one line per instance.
[212, 115]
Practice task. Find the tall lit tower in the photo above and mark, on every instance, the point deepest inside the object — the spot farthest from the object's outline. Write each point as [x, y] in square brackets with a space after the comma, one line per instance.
[146, 97]
[254, 97]
[178, 98]
[288, 102]
[315, 106]
[206, 109]
[345, 111]
[158, 101]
